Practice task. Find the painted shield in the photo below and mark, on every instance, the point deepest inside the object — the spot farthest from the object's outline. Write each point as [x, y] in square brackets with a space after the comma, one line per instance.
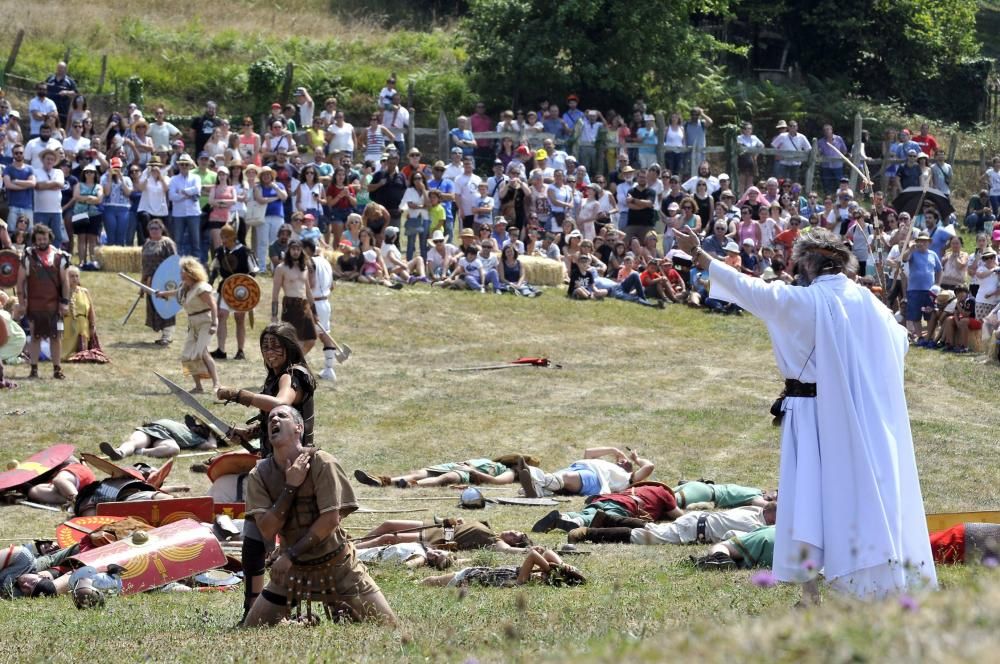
[231, 463]
[110, 468]
[167, 277]
[945, 520]
[36, 466]
[241, 292]
[9, 265]
[232, 510]
[73, 531]
[161, 512]
[159, 556]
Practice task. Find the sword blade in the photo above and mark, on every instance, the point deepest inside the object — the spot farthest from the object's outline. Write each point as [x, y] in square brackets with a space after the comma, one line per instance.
[220, 428]
[132, 309]
[136, 282]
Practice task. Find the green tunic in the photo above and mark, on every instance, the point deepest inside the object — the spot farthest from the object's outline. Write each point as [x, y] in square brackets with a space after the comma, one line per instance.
[757, 547]
[171, 430]
[723, 495]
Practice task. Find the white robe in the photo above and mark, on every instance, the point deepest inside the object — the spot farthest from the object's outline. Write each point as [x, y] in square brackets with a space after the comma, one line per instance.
[850, 499]
[719, 526]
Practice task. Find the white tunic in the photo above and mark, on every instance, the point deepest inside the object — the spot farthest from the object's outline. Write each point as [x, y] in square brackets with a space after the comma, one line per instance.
[850, 496]
[391, 553]
[719, 526]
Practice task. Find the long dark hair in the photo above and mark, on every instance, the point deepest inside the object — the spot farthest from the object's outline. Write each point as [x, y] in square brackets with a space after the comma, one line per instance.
[291, 262]
[285, 334]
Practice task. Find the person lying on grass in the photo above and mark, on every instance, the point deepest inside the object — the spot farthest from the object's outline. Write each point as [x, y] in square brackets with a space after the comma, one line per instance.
[410, 554]
[474, 471]
[589, 476]
[652, 501]
[453, 533]
[162, 439]
[540, 565]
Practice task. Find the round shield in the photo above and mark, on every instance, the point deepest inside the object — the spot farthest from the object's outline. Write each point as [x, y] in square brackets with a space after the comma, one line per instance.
[9, 265]
[167, 277]
[240, 292]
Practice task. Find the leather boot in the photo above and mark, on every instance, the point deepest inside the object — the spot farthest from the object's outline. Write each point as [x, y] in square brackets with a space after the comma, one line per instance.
[600, 535]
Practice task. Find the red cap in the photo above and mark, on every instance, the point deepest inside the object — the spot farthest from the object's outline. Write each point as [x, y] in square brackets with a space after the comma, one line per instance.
[523, 150]
[116, 163]
[346, 243]
[572, 97]
[275, 105]
[309, 216]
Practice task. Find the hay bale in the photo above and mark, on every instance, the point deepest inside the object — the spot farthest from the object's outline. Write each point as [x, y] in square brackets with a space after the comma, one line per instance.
[120, 259]
[331, 256]
[540, 271]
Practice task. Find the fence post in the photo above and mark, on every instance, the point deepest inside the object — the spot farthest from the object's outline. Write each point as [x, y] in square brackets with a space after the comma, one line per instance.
[733, 157]
[104, 72]
[443, 137]
[855, 150]
[693, 157]
[661, 133]
[411, 129]
[811, 165]
[12, 58]
[952, 147]
[982, 158]
[286, 87]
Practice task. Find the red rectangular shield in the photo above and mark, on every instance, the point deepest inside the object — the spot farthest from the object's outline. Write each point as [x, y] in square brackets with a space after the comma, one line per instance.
[169, 553]
[161, 512]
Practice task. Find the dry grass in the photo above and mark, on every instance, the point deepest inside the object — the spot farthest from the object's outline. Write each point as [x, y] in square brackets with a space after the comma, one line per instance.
[687, 389]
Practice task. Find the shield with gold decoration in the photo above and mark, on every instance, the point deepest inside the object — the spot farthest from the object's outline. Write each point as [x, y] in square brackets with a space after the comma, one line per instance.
[22, 472]
[154, 558]
[74, 530]
[241, 292]
[162, 512]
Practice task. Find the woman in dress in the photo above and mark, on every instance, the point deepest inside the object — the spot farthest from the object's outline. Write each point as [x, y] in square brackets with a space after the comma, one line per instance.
[221, 199]
[342, 200]
[196, 297]
[87, 219]
[376, 137]
[249, 143]
[80, 323]
[418, 222]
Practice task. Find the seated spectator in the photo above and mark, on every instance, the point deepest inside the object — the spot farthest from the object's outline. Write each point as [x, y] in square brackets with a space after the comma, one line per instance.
[979, 213]
[406, 271]
[582, 280]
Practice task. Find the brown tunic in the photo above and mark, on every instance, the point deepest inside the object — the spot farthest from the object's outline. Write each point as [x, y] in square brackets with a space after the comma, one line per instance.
[44, 288]
[468, 536]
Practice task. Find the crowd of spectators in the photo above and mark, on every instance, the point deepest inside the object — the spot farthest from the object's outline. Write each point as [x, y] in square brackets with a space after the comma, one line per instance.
[398, 218]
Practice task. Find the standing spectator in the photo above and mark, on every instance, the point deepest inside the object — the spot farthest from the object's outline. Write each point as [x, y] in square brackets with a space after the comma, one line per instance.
[76, 142]
[388, 187]
[153, 185]
[40, 108]
[480, 122]
[493, 184]
[34, 148]
[560, 197]
[376, 136]
[396, 118]
[467, 192]
[591, 126]
[417, 222]
[552, 122]
[306, 107]
[831, 167]
[992, 180]
[941, 172]
[674, 137]
[647, 142]
[49, 182]
[572, 114]
[272, 195]
[788, 167]
[329, 111]
[386, 94]
[78, 110]
[184, 193]
[695, 135]
[908, 174]
[61, 89]
[87, 218]
[163, 132]
[203, 126]
[341, 135]
[928, 144]
[747, 163]
[446, 195]
[117, 189]
[19, 183]
[641, 203]
[925, 271]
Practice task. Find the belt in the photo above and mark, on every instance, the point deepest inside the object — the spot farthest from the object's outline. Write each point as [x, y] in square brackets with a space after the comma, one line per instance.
[333, 557]
[195, 313]
[321, 298]
[795, 388]
[700, 536]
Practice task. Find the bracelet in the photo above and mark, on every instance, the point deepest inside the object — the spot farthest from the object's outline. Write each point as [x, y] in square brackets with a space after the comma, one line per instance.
[239, 398]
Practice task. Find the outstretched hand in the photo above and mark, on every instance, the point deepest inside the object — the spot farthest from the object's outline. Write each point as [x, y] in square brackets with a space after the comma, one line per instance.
[686, 239]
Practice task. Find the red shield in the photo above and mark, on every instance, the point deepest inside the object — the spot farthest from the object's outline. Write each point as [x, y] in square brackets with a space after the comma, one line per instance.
[10, 264]
[161, 512]
[159, 556]
[109, 468]
[73, 531]
[36, 466]
[232, 510]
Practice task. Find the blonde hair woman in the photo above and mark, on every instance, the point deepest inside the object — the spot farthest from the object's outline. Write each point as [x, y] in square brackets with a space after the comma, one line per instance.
[195, 296]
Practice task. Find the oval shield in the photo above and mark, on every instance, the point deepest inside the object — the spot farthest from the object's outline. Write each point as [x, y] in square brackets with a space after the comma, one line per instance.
[167, 277]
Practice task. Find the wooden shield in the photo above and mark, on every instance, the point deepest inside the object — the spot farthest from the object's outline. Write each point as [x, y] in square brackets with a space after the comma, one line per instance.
[110, 468]
[159, 556]
[73, 531]
[9, 266]
[36, 466]
[167, 277]
[161, 512]
[231, 463]
[241, 292]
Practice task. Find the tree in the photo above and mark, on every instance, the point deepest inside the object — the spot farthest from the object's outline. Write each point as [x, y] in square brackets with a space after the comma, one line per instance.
[609, 52]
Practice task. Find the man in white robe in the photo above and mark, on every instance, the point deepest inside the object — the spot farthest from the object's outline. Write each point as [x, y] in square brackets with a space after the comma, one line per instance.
[850, 497]
[691, 528]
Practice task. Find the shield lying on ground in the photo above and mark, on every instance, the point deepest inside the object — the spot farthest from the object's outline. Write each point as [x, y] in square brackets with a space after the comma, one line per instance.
[240, 292]
[167, 277]
[73, 531]
[110, 468]
[37, 465]
[232, 510]
[517, 500]
[946, 520]
[162, 512]
[9, 266]
[157, 557]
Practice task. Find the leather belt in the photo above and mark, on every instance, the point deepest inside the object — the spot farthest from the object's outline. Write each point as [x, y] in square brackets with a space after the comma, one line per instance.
[700, 535]
[320, 299]
[795, 388]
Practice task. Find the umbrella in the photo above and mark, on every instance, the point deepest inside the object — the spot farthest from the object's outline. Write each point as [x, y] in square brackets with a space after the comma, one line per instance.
[909, 199]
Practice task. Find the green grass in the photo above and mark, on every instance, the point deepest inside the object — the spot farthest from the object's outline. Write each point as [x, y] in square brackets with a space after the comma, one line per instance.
[691, 391]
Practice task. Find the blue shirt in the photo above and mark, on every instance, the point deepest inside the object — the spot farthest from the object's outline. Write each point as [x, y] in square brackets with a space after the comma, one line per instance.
[464, 135]
[184, 193]
[924, 266]
[25, 198]
[571, 117]
[446, 187]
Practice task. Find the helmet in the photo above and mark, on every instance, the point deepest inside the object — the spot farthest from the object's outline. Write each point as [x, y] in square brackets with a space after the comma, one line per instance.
[472, 498]
[86, 596]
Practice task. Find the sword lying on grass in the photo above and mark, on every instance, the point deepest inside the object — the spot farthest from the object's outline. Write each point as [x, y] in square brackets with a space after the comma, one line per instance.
[221, 429]
[519, 363]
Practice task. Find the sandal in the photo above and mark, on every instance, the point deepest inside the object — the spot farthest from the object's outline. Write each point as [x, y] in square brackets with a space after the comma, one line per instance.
[57, 373]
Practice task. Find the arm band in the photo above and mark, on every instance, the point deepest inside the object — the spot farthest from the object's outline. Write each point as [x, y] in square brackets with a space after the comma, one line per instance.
[274, 309]
[304, 545]
[245, 400]
[284, 503]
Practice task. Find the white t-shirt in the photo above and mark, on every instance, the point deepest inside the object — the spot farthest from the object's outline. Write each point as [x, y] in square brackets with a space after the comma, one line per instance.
[473, 268]
[411, 195]
[49, 200]
[342, 138]
[992, 175]
[71, 146]
[154, 196]
[452, 171]
[467, 189]
[33, 150]
[389, 250]
[161, 135]
[436, 261]
[785, 141]
[307, 198]
[42, 106]
[324, 277]
[396, 120]
[306, 110]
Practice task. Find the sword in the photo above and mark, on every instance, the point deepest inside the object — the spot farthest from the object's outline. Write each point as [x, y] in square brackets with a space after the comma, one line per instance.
[221, 429]
[135, 282]
[132, 310]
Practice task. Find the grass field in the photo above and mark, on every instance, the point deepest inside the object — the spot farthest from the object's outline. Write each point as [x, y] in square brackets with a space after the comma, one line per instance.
[690, 391]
